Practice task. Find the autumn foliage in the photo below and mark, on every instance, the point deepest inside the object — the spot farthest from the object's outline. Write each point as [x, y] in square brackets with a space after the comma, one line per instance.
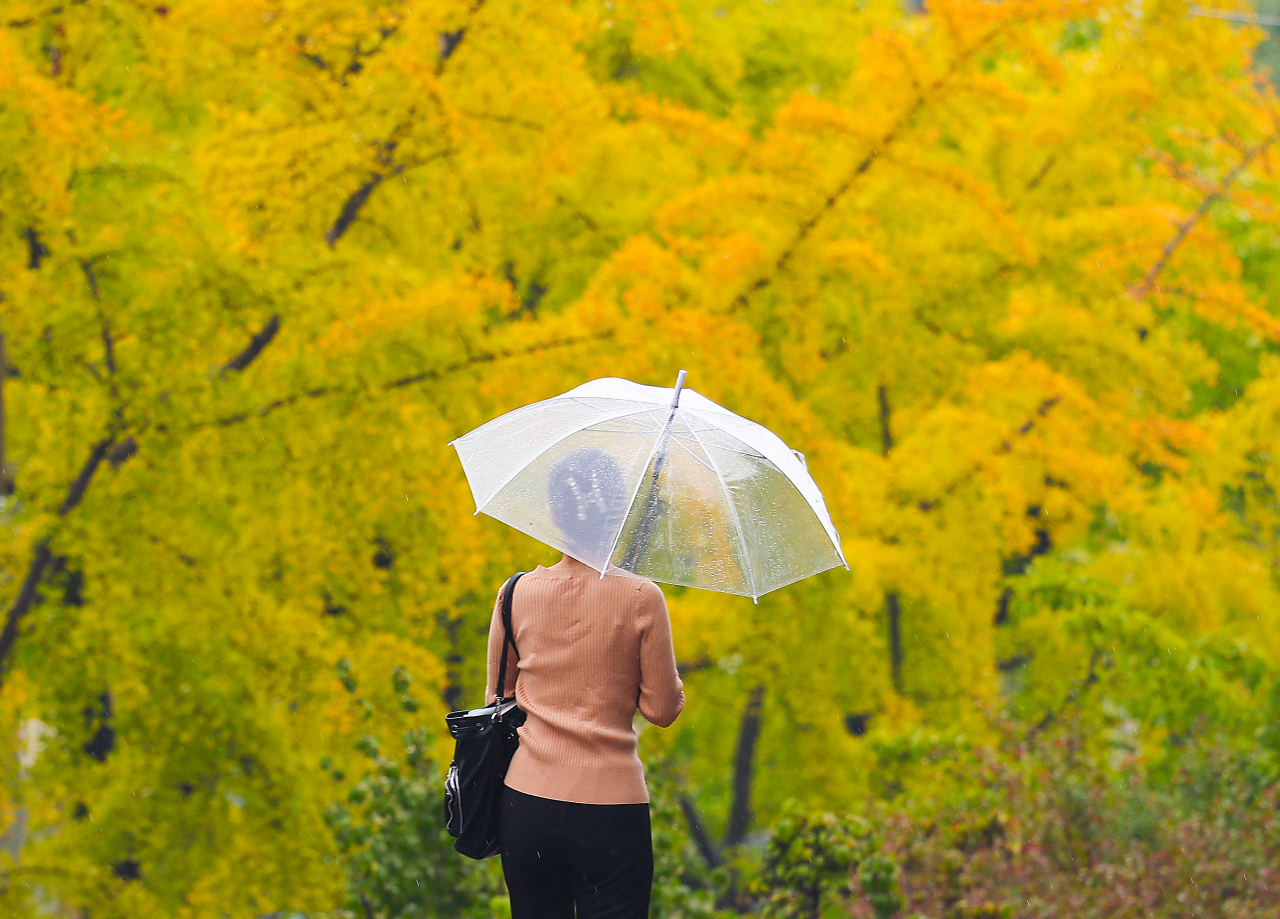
[1006, 272]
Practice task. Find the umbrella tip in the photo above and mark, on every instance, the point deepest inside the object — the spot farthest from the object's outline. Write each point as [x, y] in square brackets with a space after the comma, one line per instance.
[675, 400]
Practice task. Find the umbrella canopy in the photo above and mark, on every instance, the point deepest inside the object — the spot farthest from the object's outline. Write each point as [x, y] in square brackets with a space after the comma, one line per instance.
[661, 482]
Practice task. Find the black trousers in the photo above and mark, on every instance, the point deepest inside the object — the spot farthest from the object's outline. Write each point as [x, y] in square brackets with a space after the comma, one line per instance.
[557, 855]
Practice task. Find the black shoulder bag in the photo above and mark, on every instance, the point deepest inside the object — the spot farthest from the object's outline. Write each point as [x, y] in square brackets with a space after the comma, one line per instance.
[486, 740]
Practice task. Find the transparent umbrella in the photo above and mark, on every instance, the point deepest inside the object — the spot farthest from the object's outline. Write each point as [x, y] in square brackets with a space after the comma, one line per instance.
[660, 482]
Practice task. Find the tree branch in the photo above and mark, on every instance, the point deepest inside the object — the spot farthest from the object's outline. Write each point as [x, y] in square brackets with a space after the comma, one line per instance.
[684, 668]
[26, 594]
[447, 42]
[87, 267]
[494, 356]
[33, 19]
[43, 555]
[254, 348]
[1006, 446]
[1014, 663]
[743, 770]
[1148, 283]
[6, 477]
[447, 45]
[507, 119]
[1042, 172]
[76, 492]
[351, 208]
[424, 376]
[108, 449]
[706, 848]
[36, 251]
[1072, 697]
[108, 348]
[122, 451]
[894, 133]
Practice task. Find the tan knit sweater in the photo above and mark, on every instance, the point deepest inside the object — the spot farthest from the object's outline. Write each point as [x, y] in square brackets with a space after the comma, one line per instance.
[592, 651]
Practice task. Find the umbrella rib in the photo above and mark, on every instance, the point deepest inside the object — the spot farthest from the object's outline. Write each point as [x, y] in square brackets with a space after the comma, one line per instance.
[833, 539]
[685, 447]
[577, 430]
[733, 509]
[590, 400]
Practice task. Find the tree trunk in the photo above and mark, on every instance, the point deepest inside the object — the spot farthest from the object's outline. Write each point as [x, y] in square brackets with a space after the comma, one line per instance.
[6, 480]
[886, 436]
[893, 612]
[743, 770]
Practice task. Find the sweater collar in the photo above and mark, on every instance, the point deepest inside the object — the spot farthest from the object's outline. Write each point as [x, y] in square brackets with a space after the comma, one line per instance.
[568, 567]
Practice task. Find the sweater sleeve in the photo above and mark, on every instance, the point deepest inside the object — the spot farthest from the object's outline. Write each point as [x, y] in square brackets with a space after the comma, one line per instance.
[661, 692]
[496, 636]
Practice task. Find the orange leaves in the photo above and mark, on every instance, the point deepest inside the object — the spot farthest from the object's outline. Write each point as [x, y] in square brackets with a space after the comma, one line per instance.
[964, 18]
[660, 29]
[895, 74]
[52, 129]
[722, 205]
[1225, 303]
[857, 257]
[1001, 230]
[730, 260]
[427, 311]
[805, 113]
[1166, 441]
[684, 125]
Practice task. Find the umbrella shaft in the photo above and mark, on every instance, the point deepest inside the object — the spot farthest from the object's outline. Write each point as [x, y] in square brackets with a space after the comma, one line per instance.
[640, 539]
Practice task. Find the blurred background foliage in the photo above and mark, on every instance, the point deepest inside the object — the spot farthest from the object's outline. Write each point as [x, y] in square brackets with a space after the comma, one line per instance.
[1005, 272]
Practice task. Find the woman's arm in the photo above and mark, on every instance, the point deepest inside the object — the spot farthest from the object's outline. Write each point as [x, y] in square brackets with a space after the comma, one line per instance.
[661, 692]
[495, 648]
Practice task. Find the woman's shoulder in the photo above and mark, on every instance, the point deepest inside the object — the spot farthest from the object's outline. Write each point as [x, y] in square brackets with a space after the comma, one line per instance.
[647, 594]
[630, 578]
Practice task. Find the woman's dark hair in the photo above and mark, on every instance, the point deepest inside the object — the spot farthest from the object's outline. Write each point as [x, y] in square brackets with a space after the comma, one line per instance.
[586, 492]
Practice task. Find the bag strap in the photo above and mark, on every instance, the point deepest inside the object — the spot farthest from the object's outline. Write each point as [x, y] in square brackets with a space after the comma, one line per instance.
[508, 638]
